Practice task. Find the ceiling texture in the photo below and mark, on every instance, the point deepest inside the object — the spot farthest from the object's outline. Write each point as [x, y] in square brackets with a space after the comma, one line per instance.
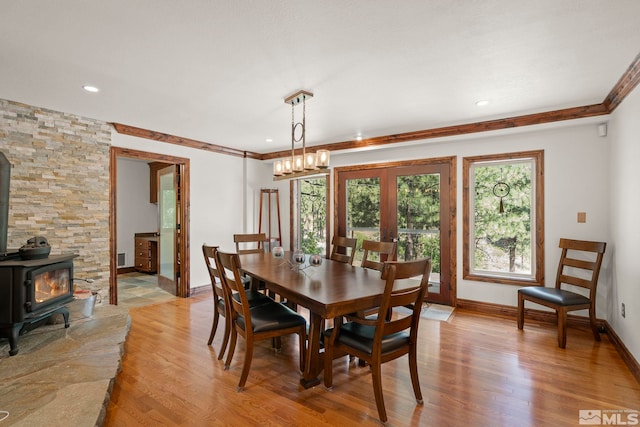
[218, 71]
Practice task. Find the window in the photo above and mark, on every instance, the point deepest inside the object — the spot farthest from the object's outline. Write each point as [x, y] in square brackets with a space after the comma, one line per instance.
[311, 214]
[503, 226]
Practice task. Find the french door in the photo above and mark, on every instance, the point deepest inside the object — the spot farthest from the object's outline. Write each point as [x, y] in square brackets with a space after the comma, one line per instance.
[168, 265]
[409, 203]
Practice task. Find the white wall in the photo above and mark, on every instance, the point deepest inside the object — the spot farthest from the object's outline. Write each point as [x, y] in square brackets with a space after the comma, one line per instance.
[583, 173]
[624, 206]
[216, 186]
[576, 180]
[135, 214]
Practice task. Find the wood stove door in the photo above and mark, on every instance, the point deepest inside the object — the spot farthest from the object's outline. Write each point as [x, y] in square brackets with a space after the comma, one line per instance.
[168, 268]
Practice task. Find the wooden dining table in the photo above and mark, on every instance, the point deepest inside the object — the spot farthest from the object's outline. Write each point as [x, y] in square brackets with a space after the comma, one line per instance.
[329, 290]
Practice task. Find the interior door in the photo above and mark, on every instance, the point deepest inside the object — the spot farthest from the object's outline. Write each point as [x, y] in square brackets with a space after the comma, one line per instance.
[406, 204]
[168, 267]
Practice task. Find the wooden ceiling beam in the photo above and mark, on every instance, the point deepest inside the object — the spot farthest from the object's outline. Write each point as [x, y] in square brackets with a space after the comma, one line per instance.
[625, 85]
[184, 142]
[477, 127]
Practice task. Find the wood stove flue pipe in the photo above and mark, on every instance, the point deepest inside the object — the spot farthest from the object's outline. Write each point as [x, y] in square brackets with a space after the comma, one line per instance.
[5, 176]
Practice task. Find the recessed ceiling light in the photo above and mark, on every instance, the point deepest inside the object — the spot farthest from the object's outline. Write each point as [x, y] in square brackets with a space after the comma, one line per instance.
[90, 88]
[268, 140]
[482, 103]
[359, 137]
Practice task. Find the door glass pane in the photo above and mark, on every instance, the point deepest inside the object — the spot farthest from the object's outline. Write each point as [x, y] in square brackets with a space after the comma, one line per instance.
[167, 209]
[313, 215]
[363, 211]
[418, 213]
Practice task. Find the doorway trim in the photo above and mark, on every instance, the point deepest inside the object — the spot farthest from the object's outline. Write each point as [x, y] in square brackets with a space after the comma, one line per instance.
[183, 187]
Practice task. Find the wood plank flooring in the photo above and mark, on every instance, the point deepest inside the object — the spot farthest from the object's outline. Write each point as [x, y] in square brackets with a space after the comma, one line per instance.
[475, 370]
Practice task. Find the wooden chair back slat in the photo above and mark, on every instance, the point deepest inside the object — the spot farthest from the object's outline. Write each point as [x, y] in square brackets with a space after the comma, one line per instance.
[343, 249]
[386, 251]
[228, 265]
[568, 264]
[249, 243]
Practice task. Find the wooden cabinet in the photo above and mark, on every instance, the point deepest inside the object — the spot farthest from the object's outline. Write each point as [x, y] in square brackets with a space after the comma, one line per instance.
[146, 252]
[154, 167]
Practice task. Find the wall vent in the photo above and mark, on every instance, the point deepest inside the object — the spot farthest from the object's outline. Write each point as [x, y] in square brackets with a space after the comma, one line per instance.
[121, 259]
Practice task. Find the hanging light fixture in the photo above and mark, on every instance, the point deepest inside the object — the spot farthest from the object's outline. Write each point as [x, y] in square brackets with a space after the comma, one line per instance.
[304, 163]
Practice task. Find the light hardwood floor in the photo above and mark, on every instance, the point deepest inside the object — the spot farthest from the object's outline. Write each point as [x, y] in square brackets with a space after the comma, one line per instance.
[475, 370]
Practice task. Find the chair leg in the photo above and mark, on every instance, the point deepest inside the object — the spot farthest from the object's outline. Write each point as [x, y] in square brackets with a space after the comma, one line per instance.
[520, 311]
[214, 327]
[413, 369]
[232, 348]
[225, 339]
[377, 391]
[248, 356]
[562, 328]
[276, 344]
[592, 320]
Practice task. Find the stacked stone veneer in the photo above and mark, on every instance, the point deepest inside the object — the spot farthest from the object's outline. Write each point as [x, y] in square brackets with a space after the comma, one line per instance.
[59, 185]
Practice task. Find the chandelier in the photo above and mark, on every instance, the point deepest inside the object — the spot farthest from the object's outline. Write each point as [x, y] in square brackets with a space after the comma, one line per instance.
[304, 163]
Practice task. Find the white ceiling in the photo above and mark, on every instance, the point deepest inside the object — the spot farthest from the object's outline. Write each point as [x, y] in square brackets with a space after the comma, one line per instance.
[218, 70]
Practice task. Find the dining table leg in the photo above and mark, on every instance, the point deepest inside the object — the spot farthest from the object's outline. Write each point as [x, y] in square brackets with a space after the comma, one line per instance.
[314, 363]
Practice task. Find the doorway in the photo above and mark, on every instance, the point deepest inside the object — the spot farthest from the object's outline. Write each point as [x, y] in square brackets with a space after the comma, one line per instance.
[411, 203]
[180, 276]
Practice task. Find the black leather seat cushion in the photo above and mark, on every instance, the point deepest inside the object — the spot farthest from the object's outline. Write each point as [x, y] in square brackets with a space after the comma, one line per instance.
[555, 296]
[360, 337]
[272, 316]
[255, 298]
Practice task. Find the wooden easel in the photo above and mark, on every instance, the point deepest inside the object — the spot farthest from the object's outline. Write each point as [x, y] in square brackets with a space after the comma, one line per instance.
[268, 193]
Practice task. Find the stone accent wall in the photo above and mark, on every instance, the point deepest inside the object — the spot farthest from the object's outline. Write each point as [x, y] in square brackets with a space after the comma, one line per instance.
[59, 185]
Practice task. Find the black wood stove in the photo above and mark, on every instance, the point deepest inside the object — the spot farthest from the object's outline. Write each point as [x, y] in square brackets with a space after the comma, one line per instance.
[33, 285]
[31, 291]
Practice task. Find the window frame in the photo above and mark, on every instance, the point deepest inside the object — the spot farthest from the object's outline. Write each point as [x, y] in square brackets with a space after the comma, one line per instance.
[294, 212]
[537, 227]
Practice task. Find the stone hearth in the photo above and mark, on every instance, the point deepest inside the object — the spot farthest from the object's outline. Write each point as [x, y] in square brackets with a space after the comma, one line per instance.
[64, 377]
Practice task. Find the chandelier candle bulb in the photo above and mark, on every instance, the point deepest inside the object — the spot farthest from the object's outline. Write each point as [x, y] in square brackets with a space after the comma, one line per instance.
[277, 168]
[287, 166]
[322, 159]
[310, 161]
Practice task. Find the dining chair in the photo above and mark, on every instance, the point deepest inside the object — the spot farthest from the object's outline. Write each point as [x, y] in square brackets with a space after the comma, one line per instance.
[343, 249]
[249, 243]
[378, 340]
[219, 297]
[376, 253]
[573, 269]
[374, 256]
[266, 321]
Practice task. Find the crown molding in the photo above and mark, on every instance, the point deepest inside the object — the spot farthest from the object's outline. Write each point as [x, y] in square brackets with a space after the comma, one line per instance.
[625, 85]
